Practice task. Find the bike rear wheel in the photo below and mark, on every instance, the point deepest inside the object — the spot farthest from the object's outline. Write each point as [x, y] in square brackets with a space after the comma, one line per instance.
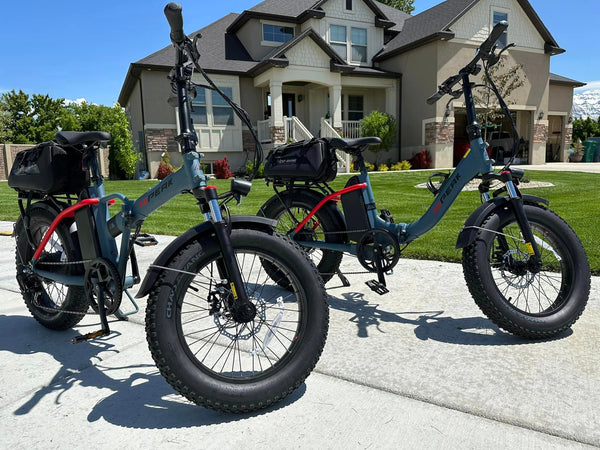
[217, 362]
[291, 209]
[52, 304]
[520, 300]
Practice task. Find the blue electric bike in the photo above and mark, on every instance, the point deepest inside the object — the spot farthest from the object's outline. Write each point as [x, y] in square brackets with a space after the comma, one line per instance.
[237, 314]
[524, 266]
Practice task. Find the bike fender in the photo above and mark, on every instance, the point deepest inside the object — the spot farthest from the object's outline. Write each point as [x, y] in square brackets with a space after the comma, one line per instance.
[467, 235]
[316, 196]
[194, 233]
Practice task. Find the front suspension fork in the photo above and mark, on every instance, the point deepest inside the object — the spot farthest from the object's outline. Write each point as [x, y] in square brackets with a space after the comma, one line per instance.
[516, 202]
[243, 310]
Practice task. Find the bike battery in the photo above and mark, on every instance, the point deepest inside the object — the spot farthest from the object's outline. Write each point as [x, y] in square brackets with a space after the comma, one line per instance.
[88, 237]
[355, 211]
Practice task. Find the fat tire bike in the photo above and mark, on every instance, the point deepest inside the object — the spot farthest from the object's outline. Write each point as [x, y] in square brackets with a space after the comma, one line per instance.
[524, 266]
[237, 313]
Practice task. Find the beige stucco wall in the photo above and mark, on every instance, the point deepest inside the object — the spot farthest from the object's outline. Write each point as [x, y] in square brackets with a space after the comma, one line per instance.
[560, 98]
[419, 81]
[250, 34]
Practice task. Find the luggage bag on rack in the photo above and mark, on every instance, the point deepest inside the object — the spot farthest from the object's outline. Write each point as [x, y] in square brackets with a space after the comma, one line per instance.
[310, 160]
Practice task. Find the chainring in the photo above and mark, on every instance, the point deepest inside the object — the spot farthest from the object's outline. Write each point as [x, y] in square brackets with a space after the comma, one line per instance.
[102, 273]
[374, 242]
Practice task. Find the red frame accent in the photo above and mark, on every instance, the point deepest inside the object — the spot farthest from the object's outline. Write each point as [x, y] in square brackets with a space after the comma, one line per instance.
[335, 196]
[68, 212]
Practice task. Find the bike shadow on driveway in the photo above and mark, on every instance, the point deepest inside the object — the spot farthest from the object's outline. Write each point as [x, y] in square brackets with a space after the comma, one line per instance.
[139, 398]
[428, 324]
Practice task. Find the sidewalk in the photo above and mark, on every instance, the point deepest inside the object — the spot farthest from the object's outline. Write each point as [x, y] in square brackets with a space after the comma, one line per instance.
[420, 367]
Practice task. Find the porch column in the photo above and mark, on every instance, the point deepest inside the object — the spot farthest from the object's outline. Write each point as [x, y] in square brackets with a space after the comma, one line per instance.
[335, 103]
[276, 103]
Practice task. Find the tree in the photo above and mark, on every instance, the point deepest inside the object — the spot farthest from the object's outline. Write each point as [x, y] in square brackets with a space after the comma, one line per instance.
[402, 5]
[585, 128]
[3, 123]
[507, 80]
[17, 108]
[383, 126]
[113, 120]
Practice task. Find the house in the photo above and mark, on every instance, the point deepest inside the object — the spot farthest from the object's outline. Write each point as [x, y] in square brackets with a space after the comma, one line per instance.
[306, 68]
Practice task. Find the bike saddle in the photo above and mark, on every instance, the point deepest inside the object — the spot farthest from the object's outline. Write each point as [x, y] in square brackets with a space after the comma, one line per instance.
[351, 145]
[80, 137]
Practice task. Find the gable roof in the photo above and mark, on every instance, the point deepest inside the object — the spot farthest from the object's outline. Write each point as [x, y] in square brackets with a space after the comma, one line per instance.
[436, 22]
[557, 79]
[298, 11]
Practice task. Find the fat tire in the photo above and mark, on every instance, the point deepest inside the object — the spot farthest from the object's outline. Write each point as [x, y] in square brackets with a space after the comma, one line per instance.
[75, 299]
[197, 383]
[478, 275]
[327, 217]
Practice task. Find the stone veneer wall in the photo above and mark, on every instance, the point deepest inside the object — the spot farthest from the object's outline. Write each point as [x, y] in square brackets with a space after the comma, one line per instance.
[161, 140]
[439, 133]
[278, 134]
[540, 133]
[248, 141]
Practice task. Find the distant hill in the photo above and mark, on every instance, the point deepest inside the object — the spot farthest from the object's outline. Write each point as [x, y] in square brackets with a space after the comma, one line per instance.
[587, 104]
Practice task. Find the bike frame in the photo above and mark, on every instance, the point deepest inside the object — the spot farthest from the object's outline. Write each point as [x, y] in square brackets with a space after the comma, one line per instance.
[475, 163]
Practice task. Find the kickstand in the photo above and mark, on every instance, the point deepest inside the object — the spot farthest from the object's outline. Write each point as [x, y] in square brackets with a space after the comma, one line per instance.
[105, 330]
[343, 279]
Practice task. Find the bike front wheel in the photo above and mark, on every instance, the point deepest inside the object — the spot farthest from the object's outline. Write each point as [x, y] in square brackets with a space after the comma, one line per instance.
[217, 362]
[514, 295]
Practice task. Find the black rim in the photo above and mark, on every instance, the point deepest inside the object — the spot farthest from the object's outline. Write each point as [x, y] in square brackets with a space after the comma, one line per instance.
[235, 352]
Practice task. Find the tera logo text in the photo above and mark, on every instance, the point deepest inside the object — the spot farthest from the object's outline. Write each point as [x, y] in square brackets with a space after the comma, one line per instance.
[446, 193]
[156, 192]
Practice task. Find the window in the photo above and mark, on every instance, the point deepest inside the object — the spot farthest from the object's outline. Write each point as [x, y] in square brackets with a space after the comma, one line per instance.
[358, 39]
[337, 38]
[277, 33]
[222, 112]
[497, 17]
[359, 44]
[199, 108]
[348, 5]
[216, 112]
[355, 107]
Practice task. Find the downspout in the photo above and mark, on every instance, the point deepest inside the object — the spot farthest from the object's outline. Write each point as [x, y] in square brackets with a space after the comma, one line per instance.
[143, 139]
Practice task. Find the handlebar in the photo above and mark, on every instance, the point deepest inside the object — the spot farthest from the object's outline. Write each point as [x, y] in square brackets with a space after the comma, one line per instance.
[175, 19]
[485, 52]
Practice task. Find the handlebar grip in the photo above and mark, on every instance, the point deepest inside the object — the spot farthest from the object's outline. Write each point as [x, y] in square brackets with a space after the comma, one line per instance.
[175, 19]
[434, 98]
[497, 31]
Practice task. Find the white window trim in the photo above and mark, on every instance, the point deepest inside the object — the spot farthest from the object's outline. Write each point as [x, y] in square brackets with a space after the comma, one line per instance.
[265, 43]
[349, 43]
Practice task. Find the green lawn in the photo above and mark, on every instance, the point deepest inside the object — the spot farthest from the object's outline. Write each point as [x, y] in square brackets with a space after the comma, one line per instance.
[572, 197]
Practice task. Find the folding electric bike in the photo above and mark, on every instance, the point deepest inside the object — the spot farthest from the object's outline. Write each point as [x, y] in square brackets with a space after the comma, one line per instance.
[524, 266]
[237, 314]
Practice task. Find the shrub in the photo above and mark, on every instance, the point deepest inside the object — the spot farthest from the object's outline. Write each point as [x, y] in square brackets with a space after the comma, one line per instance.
[164, 168]
[370, 167]
[222, 171]
[383, 168]
[403, 165]
[381, 125]
[259, 174]
[421, 160]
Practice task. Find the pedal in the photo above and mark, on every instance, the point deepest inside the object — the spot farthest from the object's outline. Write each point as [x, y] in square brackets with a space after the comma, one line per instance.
[343, 278]
[145, 240]
[378, 287]
[90, 336]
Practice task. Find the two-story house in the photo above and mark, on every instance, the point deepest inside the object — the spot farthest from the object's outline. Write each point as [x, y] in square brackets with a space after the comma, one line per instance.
[306, 68]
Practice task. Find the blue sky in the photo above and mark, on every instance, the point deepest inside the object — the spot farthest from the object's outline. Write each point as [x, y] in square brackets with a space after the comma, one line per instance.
[82, 49]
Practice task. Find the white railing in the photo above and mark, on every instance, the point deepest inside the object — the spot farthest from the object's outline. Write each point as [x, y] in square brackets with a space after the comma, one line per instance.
[351, 129]
[295, 130]
[343, 158]
[264, 131]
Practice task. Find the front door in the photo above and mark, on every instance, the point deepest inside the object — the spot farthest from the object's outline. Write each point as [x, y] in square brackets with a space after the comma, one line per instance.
[289, 105]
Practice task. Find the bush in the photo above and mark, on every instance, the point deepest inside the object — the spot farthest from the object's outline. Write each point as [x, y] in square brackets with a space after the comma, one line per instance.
[381, 125]
[370, 167]
[222, 171]
[164, 168]
[383, 168]
[259, 174]
[421, 160]
[403, 165]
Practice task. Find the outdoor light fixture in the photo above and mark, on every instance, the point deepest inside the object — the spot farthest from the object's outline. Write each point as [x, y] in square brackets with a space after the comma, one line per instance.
[570, 118]
[300, 98]
[541, 115]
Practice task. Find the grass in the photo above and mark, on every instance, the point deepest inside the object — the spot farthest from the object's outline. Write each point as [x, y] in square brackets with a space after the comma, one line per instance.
[571, 197]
